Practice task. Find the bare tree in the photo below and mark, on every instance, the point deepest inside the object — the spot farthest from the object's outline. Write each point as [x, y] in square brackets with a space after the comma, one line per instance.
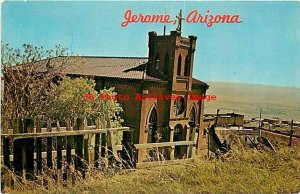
[28, 77]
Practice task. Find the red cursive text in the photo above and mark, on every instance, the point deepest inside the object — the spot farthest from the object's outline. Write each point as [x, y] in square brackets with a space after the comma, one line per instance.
[144, 18]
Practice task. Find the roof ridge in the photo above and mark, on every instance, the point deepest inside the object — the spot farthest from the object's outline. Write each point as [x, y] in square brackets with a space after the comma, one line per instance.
[118, 57]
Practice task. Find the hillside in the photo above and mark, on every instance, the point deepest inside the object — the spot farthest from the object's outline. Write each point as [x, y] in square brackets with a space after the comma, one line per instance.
[247, 99]
[247, 171]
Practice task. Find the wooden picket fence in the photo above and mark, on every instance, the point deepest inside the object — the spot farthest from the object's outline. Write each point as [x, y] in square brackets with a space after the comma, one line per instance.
[167, 150]
[29, 150]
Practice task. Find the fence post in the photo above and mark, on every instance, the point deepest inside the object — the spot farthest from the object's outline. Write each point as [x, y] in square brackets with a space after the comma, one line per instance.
[109, 153]
[172, 147]
[29, 147]
[59, 154]
[86, 149]
[193, 147]
[49, 145]
[39, 159]
[79, 145]
[97, 143]
[24, 149]
[291, 134]
[19, 161]
[6, 158]
[69, 149]
[104, 149]
[38, 148]
[187, 138]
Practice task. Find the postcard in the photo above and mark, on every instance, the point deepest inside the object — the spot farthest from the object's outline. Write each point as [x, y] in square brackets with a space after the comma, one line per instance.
[150, 97]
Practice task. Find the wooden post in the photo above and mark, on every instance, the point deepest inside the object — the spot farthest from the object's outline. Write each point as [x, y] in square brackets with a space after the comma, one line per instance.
[104, 149]
[59, 154]
[195, 139]
[172, 156]
[69, 150]
[187, 138]
[85, 143]
[39, 159]
[141, 152]
[259, 125]
[208, 142]
[19, 162]
[91, 144]
[79, 144]
[108, 148]
[49, 145]
[216, 121]
[24, 149]
[192, 148]
[104, 144]
[97, 144]
[86, 150]
[6, 158]
[29, 149]
[291, 134]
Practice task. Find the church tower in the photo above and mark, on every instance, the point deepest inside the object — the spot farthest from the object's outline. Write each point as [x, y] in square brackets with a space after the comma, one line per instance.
[172, 57]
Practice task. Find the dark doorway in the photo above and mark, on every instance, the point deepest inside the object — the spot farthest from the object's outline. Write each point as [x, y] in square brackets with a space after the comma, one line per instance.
[180, 135]
[152, 124]
[192, 135]
[192, 122]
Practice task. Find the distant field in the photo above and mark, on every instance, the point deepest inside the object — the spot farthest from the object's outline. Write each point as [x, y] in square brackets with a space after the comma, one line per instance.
[247, 99]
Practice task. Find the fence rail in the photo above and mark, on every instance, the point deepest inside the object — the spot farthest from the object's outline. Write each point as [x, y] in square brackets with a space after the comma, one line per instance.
[165, 144]
[92, 130]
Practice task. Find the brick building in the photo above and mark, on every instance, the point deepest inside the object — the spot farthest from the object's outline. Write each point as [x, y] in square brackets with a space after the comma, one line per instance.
[225, 120]
[166, 71]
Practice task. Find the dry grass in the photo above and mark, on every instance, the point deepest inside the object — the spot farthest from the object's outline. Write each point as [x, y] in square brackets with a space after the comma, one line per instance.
[242, 171]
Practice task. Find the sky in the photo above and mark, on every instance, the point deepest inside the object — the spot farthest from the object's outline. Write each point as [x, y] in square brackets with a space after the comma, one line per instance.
[263, 49]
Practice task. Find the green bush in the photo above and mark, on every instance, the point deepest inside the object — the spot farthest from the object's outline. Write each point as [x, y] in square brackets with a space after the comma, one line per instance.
[77, 98]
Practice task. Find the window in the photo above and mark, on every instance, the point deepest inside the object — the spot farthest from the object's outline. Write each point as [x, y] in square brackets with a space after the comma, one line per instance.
[179, 105]
[187, 67]
[179, 65]
[157, 62]
[166, 64]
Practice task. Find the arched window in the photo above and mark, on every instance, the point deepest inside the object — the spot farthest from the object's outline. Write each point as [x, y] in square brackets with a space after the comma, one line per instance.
[152, 125]
[179, 65]
[187, 66]
[166, 64]
[157, 62]
[179, 105]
